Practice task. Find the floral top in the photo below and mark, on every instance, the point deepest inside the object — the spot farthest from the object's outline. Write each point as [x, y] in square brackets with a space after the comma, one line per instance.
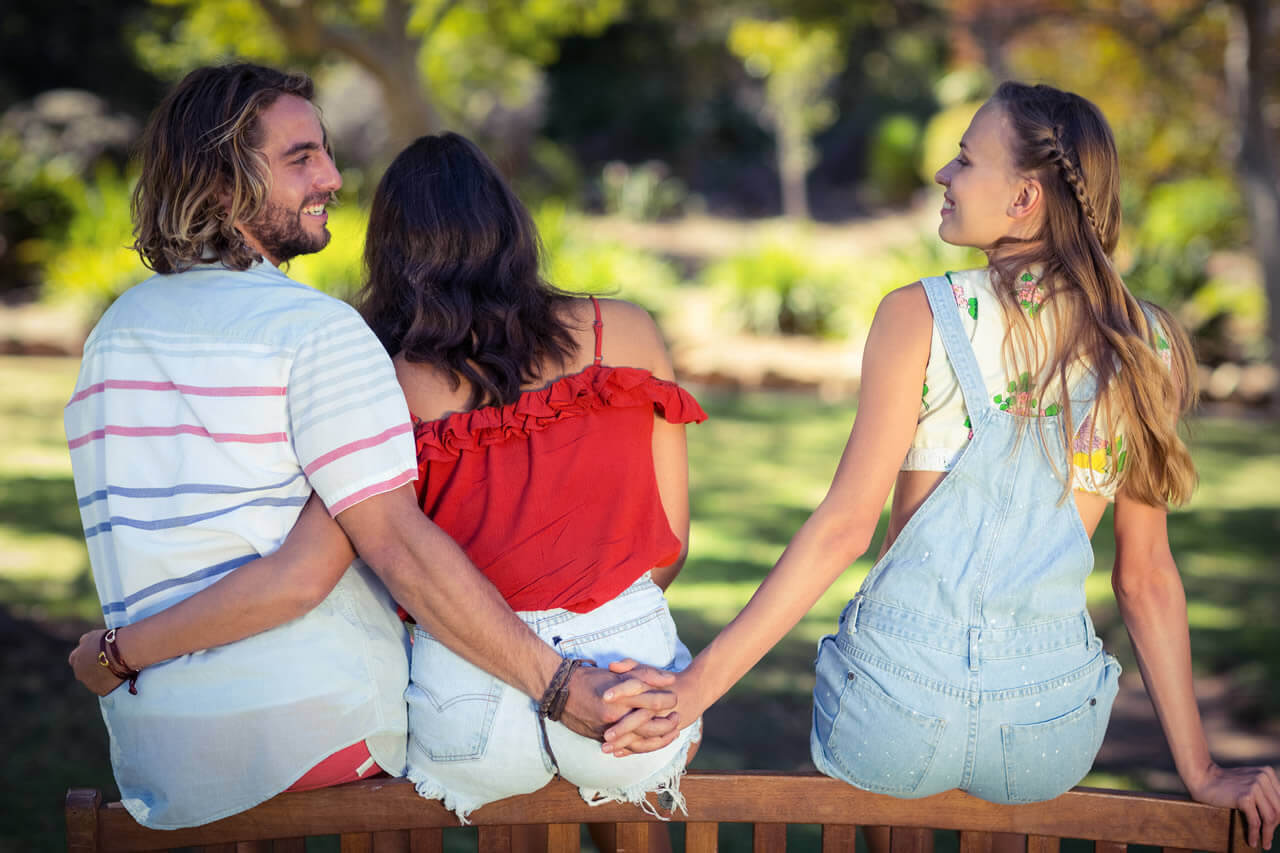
[944, 429]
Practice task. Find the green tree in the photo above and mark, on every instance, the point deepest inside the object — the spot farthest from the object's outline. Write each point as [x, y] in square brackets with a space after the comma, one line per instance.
[437, 63]
[797, 64]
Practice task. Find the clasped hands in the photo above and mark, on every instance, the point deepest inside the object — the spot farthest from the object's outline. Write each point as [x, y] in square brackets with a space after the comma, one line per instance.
[630, 706]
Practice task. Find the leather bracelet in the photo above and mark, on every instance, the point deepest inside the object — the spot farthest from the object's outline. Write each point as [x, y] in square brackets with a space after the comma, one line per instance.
[109, 656]
[556, 697]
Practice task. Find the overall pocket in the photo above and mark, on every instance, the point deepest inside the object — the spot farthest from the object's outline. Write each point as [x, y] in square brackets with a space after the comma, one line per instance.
[877, 742]
[452, 704]
[1043, 760]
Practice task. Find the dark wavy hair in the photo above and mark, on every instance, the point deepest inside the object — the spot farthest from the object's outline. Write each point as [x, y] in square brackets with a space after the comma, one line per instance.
[453, 273]
[202, 167]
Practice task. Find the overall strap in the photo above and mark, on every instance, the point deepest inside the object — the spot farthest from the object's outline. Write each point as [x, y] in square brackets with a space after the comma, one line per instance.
[598, 326]
[959, 350]
[1083, 396]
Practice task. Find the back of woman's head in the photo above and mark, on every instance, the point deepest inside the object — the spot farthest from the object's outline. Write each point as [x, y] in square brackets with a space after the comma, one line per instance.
[453, 272]
[1064, 141]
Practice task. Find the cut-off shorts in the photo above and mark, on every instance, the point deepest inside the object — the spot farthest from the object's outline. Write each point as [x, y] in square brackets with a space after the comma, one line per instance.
[473, 739]
[910, 705]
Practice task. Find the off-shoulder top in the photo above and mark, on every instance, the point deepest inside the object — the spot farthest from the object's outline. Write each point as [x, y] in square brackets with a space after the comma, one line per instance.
[554, 496]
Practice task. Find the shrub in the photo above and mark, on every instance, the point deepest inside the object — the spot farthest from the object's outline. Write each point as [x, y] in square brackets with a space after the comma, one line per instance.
[778, 289]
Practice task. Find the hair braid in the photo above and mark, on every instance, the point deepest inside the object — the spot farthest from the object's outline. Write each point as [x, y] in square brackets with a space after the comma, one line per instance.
[1073, 175]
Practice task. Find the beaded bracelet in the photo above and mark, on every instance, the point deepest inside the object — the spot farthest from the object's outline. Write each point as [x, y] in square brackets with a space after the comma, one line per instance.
[109, 656]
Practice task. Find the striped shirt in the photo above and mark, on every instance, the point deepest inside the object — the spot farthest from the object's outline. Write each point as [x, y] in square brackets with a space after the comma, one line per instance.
[209, 405]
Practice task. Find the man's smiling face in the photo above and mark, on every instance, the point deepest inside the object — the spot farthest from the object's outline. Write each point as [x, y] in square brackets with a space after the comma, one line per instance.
[303, 180]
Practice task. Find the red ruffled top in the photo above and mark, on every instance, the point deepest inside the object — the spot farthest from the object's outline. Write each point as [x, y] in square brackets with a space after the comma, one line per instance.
[554, 497]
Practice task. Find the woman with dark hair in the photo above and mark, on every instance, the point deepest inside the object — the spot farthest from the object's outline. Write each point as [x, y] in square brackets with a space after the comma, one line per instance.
[539, 452]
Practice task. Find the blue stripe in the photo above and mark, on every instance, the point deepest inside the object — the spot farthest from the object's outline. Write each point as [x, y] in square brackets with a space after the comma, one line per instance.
[183, 520]
[211, 571]
[180, 489]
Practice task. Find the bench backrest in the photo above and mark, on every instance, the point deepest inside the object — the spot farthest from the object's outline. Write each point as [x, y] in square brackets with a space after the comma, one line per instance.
[386, 815]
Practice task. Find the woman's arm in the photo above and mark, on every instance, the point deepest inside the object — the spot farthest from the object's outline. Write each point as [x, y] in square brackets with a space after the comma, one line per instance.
[1154, 608]
[841, 528]
[253, 598]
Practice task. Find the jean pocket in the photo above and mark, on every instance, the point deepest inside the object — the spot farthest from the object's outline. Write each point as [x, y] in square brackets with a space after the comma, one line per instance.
[1044, 760]
[879, 743]
[452, 704]
[649, 639]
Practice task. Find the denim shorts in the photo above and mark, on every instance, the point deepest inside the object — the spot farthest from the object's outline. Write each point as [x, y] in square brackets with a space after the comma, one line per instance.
[910, 705]
[474, 739]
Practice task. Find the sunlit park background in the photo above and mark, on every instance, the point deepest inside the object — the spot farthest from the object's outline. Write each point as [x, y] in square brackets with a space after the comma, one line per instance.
[758, 174]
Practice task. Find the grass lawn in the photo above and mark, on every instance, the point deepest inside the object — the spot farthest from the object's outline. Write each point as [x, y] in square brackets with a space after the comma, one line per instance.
[760, 463]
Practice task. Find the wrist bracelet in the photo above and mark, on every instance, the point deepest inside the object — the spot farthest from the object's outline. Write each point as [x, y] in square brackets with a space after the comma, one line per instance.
[554, 699]
[109, 656]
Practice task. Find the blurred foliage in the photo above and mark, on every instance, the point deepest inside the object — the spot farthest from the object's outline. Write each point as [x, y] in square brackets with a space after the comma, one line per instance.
[605, 268]
[339, 269]
[642, 192]
[92, 263]
[781, 289]
[892, 162]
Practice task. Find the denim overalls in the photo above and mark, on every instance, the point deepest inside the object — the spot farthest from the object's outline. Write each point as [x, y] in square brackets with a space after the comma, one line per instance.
[968, 660]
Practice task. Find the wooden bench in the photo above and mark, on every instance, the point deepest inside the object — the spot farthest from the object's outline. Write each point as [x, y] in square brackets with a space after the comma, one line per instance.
[386, 816]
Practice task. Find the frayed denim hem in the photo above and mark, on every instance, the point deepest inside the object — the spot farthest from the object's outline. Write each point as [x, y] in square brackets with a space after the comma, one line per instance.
[665, 783]
[429, 789]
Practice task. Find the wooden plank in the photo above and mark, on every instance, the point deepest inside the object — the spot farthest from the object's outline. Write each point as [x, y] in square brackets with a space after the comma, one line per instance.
[495, 839]
[564, 838]
[1176, 850]
[632, 837]
[82, 819]
[355, 842]
[289, 845]
[1109, 847]
[391, 841]
[216, 848]
[701, 837]
[713, 797]
[972, 841]
[910, 840]
[254, 847]
[769, 838]
[839, 838]
[426, 841]
[1042, 844]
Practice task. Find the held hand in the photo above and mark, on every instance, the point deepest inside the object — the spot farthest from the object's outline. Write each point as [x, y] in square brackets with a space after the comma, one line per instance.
[633, 733]
[1255, 791]
[598, 698]
[84, 663]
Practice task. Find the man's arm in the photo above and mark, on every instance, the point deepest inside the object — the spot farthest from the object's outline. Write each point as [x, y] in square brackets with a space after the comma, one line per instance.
[432, 578]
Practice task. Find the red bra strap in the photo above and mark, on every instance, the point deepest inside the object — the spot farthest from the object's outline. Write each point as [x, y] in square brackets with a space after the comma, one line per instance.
[598, 325]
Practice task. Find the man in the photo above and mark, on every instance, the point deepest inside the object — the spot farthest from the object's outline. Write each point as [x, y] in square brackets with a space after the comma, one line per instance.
[212, 400]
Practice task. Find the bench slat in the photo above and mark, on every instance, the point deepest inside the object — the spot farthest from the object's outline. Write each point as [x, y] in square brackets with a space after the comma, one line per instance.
[839, 838]
[564, 838]
[701, 837]
[904, 840]
[1109, 847]
[495, 839]
[356, 842]
[632, 837]
[1042, 844]
[713, 797]
[769, 837]
[976, 842]
[426, 841]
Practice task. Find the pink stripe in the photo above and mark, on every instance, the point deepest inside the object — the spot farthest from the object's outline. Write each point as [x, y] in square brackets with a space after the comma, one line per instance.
[348, 449]
[194, 390]
[180, 429]
[376, 489]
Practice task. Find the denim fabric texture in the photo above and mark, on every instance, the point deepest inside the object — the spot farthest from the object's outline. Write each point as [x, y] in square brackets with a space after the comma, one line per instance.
[474, 739]
[967, 659]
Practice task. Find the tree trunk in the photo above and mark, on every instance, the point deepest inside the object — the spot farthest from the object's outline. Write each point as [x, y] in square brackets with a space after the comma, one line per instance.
[1247, 65]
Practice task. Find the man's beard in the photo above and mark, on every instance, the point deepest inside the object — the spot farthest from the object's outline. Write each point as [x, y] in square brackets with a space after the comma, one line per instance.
[279, 232]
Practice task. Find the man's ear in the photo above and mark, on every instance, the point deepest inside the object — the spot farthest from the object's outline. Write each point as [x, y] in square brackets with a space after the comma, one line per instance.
[1027, 202]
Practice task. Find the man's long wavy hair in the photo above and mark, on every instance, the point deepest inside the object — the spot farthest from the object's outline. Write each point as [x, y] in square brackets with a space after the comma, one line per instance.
[202, 167]
[453, 273]
[1064, 141]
